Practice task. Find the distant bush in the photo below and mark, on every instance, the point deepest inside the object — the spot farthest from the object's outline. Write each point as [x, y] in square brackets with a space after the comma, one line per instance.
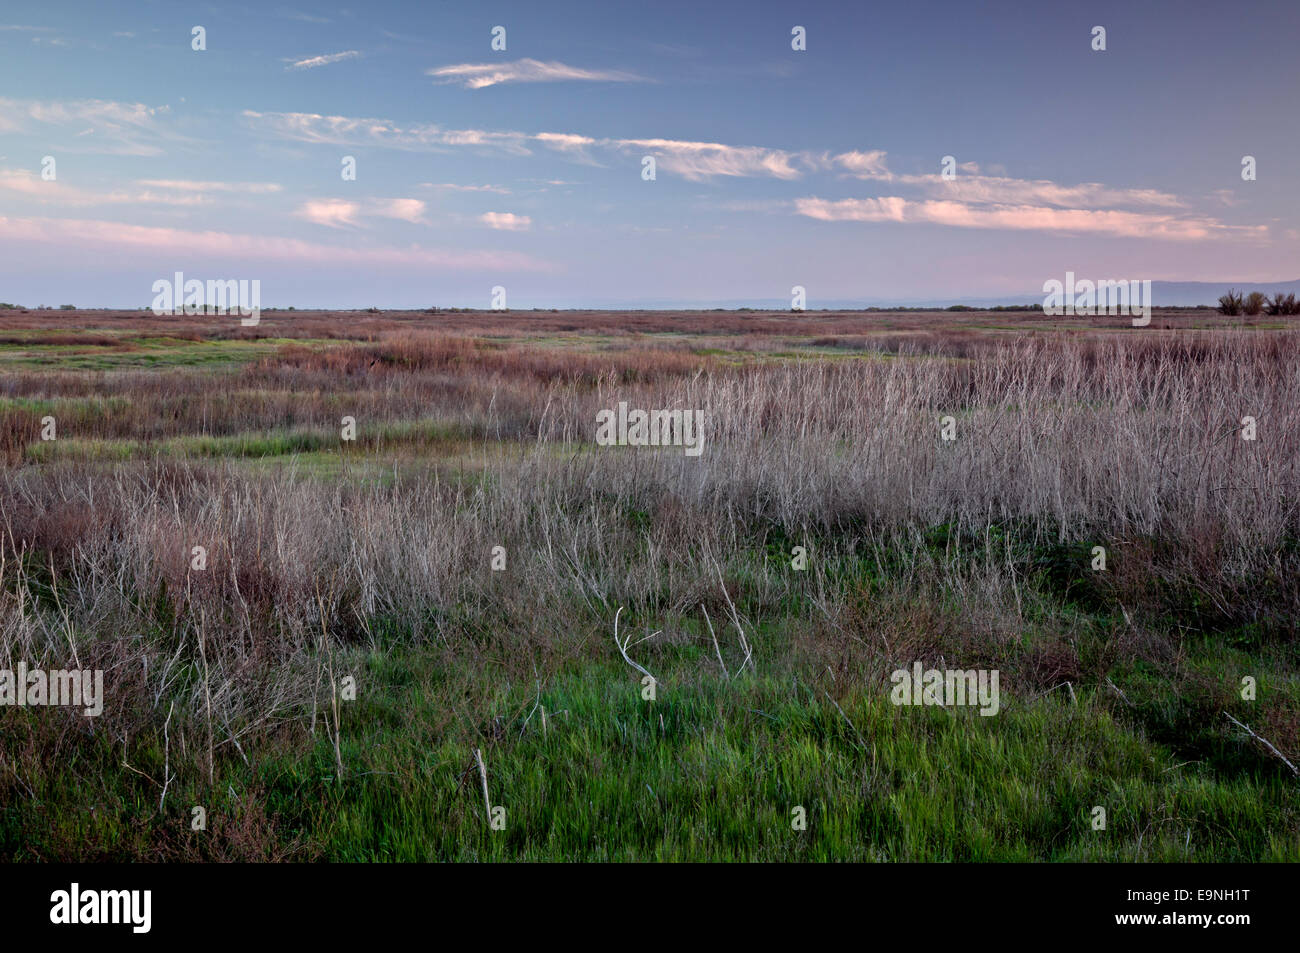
[67, 307]
[1283, 304]
[1230, 303]
[1254, 302]
[6, 306]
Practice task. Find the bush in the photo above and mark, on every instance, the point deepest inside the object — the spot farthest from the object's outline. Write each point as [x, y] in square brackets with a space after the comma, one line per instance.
[1283, 304]
[1230, 303]
[67, 307]
[6, 306]
[1254, 302]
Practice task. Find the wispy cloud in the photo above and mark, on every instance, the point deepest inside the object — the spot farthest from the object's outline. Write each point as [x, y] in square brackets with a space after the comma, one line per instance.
[303, 17]
[969, 186]
[119, 128]
[326, 59]
[453, 187]
[1019, 217]
[71, 235]
[981, 189]
[188, 185]
[702, 160]
[29, 185]
[14, 28]
[691, 160]
[506, 221]
[346, 130]
[481, 75]
[971, 200]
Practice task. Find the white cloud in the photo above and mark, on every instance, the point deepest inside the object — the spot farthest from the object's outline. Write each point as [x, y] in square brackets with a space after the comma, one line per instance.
[312, 62]
[506, 221]
[332, 213]
[864, 165]
[338, 213]
[408, 210]
[481, 75]
[564, 141]
[701, 160]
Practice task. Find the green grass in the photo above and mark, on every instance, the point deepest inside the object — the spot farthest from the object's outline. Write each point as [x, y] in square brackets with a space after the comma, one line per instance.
[711, 770]
[714, 771]
[144, 353]
[435, 436]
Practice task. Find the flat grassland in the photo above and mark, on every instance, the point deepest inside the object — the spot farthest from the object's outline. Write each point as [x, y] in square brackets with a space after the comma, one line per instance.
[369, 562]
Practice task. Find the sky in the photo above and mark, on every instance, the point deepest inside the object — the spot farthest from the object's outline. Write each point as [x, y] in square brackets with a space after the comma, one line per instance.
[524, 168]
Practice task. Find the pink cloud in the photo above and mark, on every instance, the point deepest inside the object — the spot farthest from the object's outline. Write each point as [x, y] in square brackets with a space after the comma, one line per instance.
[1018, 217]
[71, 234]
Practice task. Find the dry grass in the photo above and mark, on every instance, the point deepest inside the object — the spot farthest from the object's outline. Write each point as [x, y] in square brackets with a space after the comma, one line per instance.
[1133, 443]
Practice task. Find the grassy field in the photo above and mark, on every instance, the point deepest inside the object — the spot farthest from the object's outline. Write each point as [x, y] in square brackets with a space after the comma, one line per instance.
[348, 677]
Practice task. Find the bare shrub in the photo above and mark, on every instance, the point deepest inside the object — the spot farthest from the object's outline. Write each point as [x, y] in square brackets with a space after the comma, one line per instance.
[1231, 303]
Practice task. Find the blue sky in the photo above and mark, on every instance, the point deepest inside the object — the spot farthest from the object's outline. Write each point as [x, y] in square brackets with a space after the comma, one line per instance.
[522, 167]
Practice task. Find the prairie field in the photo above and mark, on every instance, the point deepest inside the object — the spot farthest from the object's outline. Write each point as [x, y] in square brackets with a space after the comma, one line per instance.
[357, 649]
